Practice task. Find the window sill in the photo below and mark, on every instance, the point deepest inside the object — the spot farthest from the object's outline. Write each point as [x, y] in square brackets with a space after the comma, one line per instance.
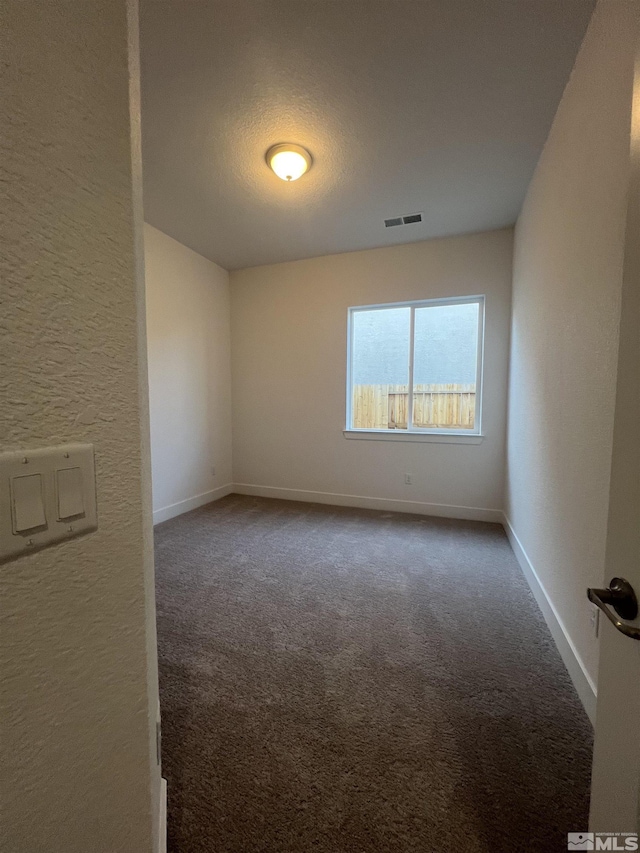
[403, 435]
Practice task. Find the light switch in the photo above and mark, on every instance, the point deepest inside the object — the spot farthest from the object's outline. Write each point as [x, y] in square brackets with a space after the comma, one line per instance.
[69, 491]
[27, 503]
[47, 494]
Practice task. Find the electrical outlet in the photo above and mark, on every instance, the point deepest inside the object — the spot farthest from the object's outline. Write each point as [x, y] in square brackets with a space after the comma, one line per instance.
[408, 479]
[594, 619]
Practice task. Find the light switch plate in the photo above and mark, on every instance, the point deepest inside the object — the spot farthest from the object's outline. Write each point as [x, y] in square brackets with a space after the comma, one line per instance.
[68, 486]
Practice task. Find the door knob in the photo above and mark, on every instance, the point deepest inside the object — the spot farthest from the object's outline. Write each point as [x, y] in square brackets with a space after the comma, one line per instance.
[619, 595]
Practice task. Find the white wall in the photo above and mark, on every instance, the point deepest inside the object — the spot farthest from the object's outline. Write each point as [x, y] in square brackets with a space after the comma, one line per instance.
[188, 338]
[566, 290]
[289, 362]
[79, 768]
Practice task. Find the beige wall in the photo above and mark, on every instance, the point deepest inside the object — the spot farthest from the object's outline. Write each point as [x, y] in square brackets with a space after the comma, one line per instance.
[78, 771]
[566, 295]
[288, 366]
[188, 339]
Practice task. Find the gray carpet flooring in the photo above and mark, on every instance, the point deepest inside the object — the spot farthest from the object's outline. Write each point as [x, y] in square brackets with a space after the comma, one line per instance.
[346, 681]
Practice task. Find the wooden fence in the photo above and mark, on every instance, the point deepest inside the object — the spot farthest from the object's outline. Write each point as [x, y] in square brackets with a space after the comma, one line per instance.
[434, 406]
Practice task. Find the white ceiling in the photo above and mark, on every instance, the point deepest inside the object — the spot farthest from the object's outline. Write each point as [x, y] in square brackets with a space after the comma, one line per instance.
[437, 106]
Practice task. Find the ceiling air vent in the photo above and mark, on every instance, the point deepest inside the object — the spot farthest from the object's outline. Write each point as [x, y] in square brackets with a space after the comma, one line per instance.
[409, 219]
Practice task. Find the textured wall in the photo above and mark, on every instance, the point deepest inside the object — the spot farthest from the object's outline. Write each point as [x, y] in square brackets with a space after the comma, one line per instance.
[188, 338]
[566, 291]
[288, 327]
[79, 697]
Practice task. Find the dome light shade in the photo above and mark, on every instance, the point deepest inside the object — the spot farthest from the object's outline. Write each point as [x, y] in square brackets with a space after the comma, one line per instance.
[289, 161]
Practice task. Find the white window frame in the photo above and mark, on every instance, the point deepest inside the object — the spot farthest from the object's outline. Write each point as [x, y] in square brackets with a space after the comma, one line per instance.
[412, 433]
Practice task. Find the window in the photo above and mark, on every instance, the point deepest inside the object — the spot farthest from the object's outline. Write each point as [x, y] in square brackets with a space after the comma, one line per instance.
[416, 367]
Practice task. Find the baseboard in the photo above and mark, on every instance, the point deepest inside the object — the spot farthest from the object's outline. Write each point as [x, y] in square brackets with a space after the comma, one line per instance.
[162, 830]
[167, 512]
[582, 681]
[470, 513]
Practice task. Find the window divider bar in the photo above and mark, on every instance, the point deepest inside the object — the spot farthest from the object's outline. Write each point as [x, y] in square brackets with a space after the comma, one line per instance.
[411, 356]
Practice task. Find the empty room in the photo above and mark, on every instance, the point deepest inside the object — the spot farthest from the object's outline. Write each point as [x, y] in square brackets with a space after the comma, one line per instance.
[319, 459]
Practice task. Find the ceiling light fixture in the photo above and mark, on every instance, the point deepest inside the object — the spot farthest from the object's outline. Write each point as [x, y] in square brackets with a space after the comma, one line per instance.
[289, 161]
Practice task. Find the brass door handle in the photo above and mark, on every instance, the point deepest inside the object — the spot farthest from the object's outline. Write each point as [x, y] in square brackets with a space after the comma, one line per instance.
[619, 595]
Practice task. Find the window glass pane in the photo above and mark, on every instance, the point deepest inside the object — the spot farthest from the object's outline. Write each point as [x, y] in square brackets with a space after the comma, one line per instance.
[380, 368]
[444, 369]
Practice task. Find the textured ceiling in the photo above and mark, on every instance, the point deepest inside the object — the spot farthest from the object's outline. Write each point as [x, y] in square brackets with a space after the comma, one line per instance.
[437, 106]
